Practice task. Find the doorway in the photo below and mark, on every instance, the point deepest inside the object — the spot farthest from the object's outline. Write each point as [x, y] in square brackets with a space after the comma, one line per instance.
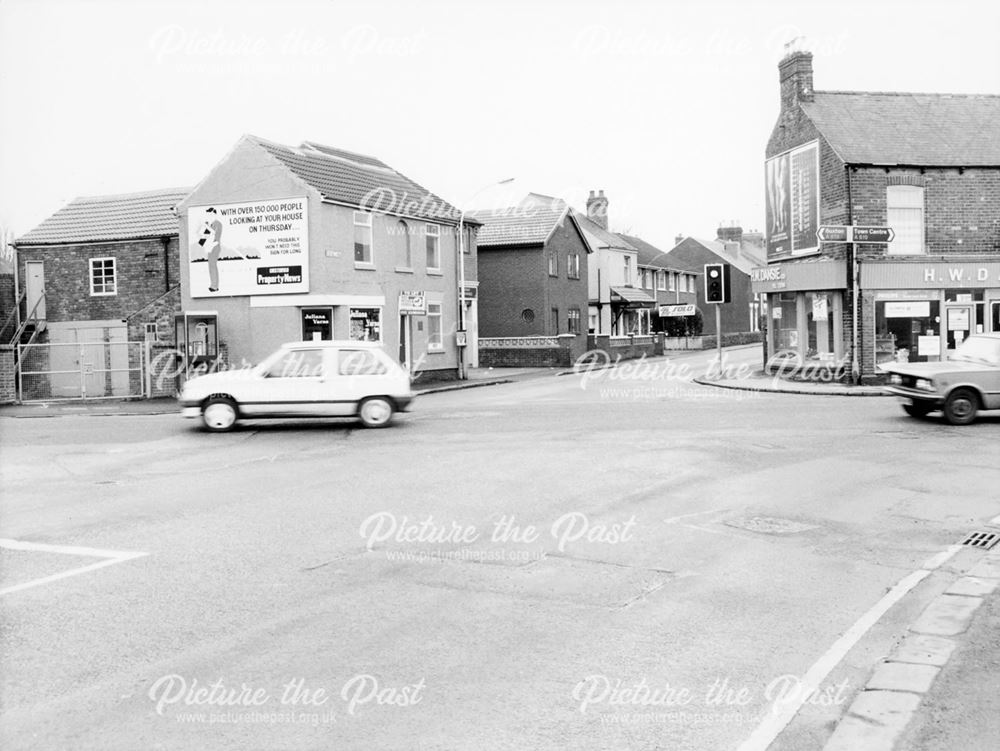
[958, 323]
[34, 287]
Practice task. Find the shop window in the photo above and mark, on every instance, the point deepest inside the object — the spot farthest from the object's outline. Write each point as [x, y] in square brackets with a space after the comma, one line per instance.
[573, 266]
[819, 318]
[995, 316]
[435, 342]
[405, 249]
[907, 331]
[433, 236]
[573, 321]
[103, 277]
[317, 324]
[363, 238]
[366, 324]
[553, 264]
[905, 209]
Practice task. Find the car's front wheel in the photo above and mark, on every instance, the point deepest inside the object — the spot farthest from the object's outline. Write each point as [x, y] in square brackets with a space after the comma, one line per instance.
[918, 409]
[219, 414]
[961, 406]
[375, 412]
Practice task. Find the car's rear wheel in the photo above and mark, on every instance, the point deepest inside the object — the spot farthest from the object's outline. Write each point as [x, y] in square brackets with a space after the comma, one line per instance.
[375, 412]
[918, 409]
[961, 406]
[219, 414]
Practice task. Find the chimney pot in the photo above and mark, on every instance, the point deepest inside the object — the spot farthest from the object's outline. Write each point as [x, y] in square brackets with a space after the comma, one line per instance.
[597, 209]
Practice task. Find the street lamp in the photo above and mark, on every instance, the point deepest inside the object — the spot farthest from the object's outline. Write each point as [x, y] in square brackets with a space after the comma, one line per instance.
[462, 375]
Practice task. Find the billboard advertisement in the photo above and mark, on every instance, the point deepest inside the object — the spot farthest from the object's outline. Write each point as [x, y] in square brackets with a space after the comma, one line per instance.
[252, 248]
[791, 191]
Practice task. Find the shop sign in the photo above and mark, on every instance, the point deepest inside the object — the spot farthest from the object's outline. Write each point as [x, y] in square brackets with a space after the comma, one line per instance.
[928, 346]
[249, 248]
[792, 224]
[911, 309]
[413, 303]
[929, 275]
[671, 311]
[799, 276]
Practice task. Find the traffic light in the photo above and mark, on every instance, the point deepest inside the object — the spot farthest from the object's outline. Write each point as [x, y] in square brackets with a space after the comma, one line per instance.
[717, 289]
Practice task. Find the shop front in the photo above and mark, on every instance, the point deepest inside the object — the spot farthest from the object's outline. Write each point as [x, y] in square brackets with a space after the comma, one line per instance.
[631, 311]
[921, 311]
[804, 301]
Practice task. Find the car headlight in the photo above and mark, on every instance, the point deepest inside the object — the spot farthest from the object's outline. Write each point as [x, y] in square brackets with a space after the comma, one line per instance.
[895, 379]
[924, 384]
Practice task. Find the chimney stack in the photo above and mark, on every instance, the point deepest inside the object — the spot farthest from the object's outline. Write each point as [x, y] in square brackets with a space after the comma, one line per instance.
[795, 74]
[732, 233]
[678, 239]
[597, 209]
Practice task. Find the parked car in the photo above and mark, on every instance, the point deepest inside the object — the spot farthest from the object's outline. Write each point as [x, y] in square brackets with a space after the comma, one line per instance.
[304, 379]
[968, 381]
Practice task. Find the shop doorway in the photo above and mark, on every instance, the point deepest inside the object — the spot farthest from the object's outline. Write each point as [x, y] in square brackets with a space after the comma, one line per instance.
[405, 342]
[959, 320]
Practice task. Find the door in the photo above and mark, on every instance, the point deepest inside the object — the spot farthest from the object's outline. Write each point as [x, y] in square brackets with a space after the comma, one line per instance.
[34, 286]
[405, 342]
[472, 326]
[958, 323]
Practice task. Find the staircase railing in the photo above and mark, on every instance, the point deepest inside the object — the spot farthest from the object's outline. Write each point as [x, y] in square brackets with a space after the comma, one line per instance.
[12, 318]
[30, 319]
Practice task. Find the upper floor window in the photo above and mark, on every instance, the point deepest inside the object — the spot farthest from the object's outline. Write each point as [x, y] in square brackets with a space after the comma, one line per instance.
[672, 280]
[433, 233]
[363, 237]
[661, 280]
[905, 209]
[406, 252]
[628, 271]
[691, 282]
[573, 266]
[103, 277]
[553, 264]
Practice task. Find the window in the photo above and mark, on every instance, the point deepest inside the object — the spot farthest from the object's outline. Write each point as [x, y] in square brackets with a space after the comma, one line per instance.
[905, 209]
[661, 280]
[433, 233]
[628, 271]
[573, 321]
[354, 362]
[691, 287]
[555, 321]
[553, 264]
[363, 238]
[672, 279]
[366, 324]
[151, 334]
[102, 276]
[299, 363]
[405, 252]
[573, 266]
[435, 343]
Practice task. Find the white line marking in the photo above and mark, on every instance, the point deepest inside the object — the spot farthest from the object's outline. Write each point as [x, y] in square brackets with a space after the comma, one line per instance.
[675, 519]
[935, 561]
[111, 557]
[771, 727]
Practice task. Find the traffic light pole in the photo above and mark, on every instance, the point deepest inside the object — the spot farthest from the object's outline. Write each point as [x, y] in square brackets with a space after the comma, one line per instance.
[718, 336]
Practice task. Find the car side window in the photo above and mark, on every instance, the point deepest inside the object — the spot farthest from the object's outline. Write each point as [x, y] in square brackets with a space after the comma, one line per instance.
[354, 362]
[298, 363]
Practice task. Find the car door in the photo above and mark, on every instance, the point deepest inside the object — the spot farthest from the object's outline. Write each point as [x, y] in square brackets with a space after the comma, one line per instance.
[360, 373]
[291, 385]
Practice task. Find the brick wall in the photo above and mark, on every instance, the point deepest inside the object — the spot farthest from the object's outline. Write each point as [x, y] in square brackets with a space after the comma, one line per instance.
[144, 272]
[8, 385]
[6, 300]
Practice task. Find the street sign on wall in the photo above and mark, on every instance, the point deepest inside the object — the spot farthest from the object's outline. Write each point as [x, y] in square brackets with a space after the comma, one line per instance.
[412, 303]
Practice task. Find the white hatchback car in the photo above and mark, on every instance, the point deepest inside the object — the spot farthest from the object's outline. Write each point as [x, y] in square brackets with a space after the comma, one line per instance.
[304, 379]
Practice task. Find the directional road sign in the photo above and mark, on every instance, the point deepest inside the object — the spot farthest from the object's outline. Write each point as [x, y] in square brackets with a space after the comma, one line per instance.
[873, 234]
[833, 233]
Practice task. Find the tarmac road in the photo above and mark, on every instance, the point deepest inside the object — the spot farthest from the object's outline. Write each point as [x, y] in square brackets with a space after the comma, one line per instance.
[626, 561]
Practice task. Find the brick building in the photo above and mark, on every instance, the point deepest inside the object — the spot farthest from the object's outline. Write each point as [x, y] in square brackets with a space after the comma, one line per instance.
[283, 243]
[533, 271]
[925, 165]
[100, 273]
[742, 252]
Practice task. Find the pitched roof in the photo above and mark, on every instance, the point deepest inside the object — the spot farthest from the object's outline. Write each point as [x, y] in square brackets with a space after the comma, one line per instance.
[531, 222]
[597, 237]
[909, 129]
[739, 259]
[127, 216]
[359, 180]
[650, 255]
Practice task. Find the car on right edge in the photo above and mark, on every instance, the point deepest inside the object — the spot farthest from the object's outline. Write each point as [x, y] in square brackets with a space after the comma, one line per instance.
[967, 382]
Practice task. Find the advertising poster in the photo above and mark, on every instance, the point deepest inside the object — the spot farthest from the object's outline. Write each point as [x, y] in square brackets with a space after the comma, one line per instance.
[791, 202]
[253, 248]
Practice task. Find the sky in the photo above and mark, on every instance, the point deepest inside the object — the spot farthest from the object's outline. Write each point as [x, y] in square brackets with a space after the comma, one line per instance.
[666, 106]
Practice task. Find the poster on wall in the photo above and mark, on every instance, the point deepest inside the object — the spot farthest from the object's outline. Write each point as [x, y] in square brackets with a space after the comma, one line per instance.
[252, 248]
[791, 202]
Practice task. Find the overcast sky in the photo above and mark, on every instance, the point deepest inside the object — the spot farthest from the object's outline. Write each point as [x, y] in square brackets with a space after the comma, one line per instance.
[665, 106]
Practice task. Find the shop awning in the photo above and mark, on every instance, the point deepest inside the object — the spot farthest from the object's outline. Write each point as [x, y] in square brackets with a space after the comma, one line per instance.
[630, 296]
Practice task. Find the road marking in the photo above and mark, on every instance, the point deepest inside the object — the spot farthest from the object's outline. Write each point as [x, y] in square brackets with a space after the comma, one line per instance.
[675, 519]
[771, 726]
[111, 557]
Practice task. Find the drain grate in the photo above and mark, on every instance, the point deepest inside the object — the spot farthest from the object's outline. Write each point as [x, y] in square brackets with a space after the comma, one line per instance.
[984, 540]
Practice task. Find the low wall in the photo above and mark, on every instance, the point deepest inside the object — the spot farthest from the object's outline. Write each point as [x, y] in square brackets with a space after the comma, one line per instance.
[708, 342]
[531, 351]
[626, 347]
[8, 380]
